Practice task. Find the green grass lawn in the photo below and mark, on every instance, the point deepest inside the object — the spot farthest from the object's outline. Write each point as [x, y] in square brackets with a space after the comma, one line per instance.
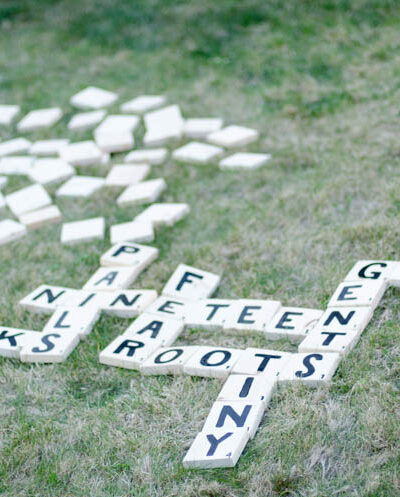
[321, 81]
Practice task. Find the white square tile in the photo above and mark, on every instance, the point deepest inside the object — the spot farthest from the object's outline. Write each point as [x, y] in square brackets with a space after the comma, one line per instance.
[85, 153]
[210, 450]
[320, 340]
[86, 120]
[128, 303]
[111, 278]
[28, 199]
[142, 193]
[147, 155]
[80, 186]
[313, 369]
[144, 103]
[160, 329]
[244, 161]
[132, 231]
[233, 136]
[163, 214]
[84, 299]
[198, 153]
[167, 360]
[49, 347]
[209, 314]
[292, 322]
[230, 415]
[50, 171]
[3, 180]
[128, 352]
[372, 270]
[93, 98]
[129, 254]
[46, 298]
[251, 314]
[266, 362]
[13, 339]
[72, 320]
[8, 113]
[215, 362]
[248, 388]
[201, 127]
[16, 165]
[358, 293]
[124, 175]
[35, 219]
[114, 124]
[38, 119]
[115, 142]
[10, 230]
[170, 308]
[83, 231]
[163, 125]
[188, 282]
[14, 146]
[48, 148]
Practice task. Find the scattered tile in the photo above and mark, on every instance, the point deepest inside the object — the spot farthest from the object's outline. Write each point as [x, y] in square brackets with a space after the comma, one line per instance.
[38, 119]
[244, 161]
[8, 113]
[190, 283]
[201, 127]
[312, 369]
[80, 186]
[372, 270]
[214, 362]
[144, 103]
[169, 307]
[161, 329]
[46, 298]
[196, 152]
[292, 322]
[49, 347]
[47, 148]
[28, 199]
[86, 120]
[167, 360]
[72, 321]
[85, 153]
[93, 98]
[248, 388]
[35, 219]
[163, 125]
[266, 362]
[115, 142]
[50, 171]
[209, 314]
[251, 314]
[13, 339]
[83, 231]
[358, 293]
[111, 278]
[163, 214]
[233, 136]
[129, 254]
[152, 156]
[16, 165]
[10, 230]
[124, 175]
[114, 124]
[142, 193]
[128, 303]
[128, 352]
[132, 231]
[14, 146]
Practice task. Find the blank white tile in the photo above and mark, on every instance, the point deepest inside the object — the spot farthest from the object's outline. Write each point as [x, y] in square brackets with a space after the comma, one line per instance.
[83, 231]
[46, 298]
[14, 146]
[93, 98]
[372, 270]
[49, 347]
[248, 388]
[124, 175]
[147, 155]
[358, 293]
[48, 148]
[80, 186]
[266, 362]
[115, 123]
[244, 161]
[233, 136]
[50, 171]
[16, 165]
[163, 214]
[313, 369]
[85, 153]
[161, 329]
[115, 142]
[38, 119]
[215, 362]
[188, 282]
[28, 199]
[13, 339]
[86, 120]
[8, 113]
[3, 180]
[10, 230]
[230, 415]
[72, 320]
[198, 153]
[201, 127]
[111, 278]
[210, 450]
[209, 314]
[129, 254]
[167, 360]
[128, 352]
[128, 303]
[292, 322]
[36, 219]
[132, 231]
[169, 307]
[142, 193]
[144, 103]
[163, 125]
[251, 314]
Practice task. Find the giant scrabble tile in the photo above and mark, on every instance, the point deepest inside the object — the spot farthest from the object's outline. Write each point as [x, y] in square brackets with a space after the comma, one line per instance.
[85, 153]
[115, 124]
[209, 314]
[201, 127]
[170, 307]
[129, 254]
[83, 231]
[72, 320]
[198, 153]
[8, 113]
[36, 219]
[358, 293]
[93, 98]
[28, 199]
[144, 103]
[128, 303]
[233, 136]
[269, 363]
[313, 369]
[292, 322]
[12, 339]
[372, 271]
[49, 347]
[115, 142]
[163, 125]
[129, 352]
[80, 186]
[190, 283]
[124, 175]
[167, 360]
[111, 278]
[147, 155]
[10, 230]
[86, 120]
[20, 165]
[211, 450]
[48, 148]
[142, 193]
[163, 214]
[50, 171]
[251, 314]
[160, 329]
[248, 388]
[38, 119]
[215, 362]
[46, 298]
[133, 231]
[14, 146]
[244, 161]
